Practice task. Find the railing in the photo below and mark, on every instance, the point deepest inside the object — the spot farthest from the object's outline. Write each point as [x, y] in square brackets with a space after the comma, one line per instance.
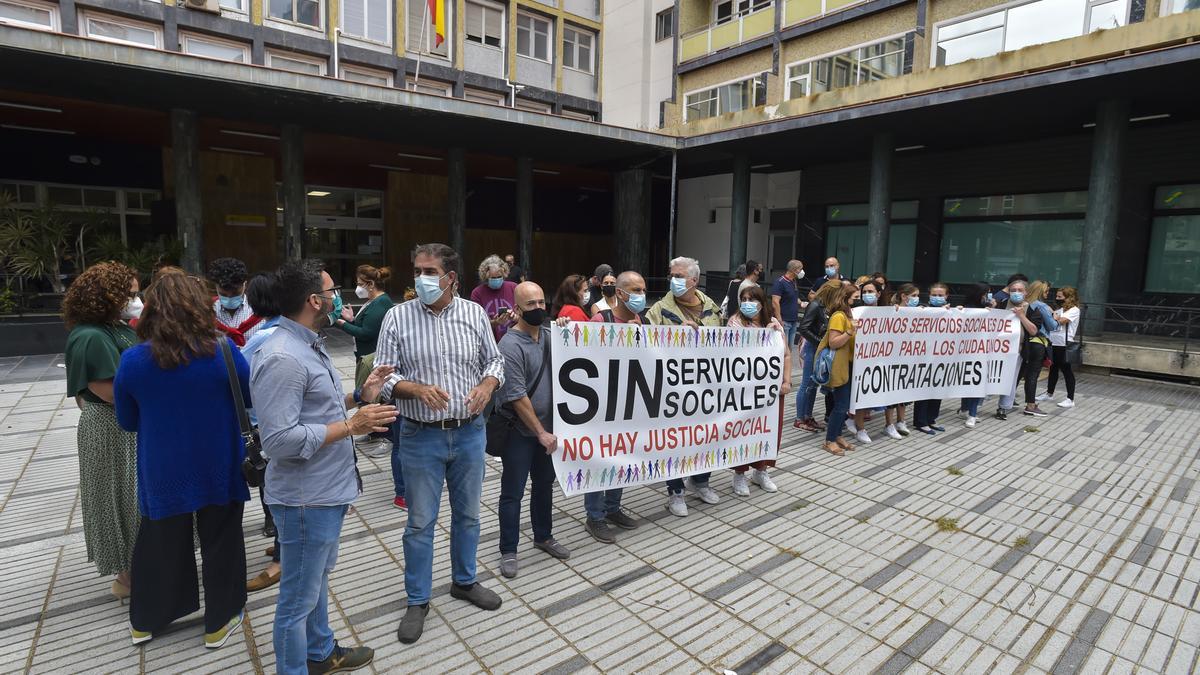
[1155, 321]
[716, 37]
[796, 11]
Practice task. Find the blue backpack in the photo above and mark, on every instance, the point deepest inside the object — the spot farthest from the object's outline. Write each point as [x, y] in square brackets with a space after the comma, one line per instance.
[823, 367]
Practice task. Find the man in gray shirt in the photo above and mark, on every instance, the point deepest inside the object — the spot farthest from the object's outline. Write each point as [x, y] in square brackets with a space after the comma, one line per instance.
[311, 478]
[526, 399]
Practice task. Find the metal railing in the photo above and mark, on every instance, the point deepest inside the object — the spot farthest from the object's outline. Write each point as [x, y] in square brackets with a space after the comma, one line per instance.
[755, 22]
[1180, 324]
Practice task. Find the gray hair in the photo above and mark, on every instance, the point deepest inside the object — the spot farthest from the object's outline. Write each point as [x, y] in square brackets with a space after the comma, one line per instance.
[602, 271]
[490, 263]
[795, 265]
[690, 264]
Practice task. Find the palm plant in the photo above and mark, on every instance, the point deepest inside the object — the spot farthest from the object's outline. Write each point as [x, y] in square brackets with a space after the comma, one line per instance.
[33, 243]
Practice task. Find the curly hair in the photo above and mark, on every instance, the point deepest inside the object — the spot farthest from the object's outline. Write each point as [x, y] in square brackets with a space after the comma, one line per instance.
[177, 321]
[227, 272]
[98, 294]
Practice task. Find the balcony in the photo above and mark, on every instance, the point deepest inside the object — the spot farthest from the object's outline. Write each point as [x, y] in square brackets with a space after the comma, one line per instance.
[729, 33]
[796, 11]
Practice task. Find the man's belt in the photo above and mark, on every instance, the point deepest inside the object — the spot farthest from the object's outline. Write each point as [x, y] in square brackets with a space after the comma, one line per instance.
[444, 425]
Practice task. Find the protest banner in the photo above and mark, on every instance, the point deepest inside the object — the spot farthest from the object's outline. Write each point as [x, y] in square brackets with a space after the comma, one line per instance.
[917, 353]
[643, 404]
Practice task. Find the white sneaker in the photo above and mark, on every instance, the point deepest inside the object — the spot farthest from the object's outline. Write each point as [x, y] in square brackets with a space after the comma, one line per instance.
[892, 433]
[376, 448]
[850, 426]
[862, 436]
[1067, 403]
[677, 506]
[764, 481]
[704, 492]
[741, 485]
[1045, 396]
[970, 424]
[902, 428]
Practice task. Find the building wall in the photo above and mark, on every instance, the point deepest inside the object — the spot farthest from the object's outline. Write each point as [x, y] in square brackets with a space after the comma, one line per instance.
[639, 70]
[708, 242]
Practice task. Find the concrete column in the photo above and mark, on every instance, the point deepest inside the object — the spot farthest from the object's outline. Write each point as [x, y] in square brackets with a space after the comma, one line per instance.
[185, 156]
[739, 213]
[631, 221]
[525, 215]
[291, 153]
[879, 214]
[1104, 196]
[456, 173]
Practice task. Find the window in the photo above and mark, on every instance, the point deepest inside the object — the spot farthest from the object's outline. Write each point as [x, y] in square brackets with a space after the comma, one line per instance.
[213, 48]
[483, 96]
[726, 98]
[29, 14]
[664, 24]
[121, 30]
[485, 24]
[421, 37]
[234, 5]
[533, 37]
[533, 106]
[303, 12]
[436, 87]
[20, 193]
[381, 78]
[1173, 262]
[578, 115]
[877, 61]
[1177, 6]
[1024, 24]
[989, 238]
[725, 11]
[577, 49]
[846, 238]
[367, 20]
[296, 63]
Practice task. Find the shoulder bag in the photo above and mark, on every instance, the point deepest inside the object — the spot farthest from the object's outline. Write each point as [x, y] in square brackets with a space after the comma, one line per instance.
[254, 465]
[1074, 349]
[499, 424]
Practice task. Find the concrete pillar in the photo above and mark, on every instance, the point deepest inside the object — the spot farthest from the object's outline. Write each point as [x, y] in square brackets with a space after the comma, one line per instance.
[879, 213]
[456, 173]
[185, 156]
[525, 215]
[1104, 193]
[631, 221]
[291, 153]
[739, 213]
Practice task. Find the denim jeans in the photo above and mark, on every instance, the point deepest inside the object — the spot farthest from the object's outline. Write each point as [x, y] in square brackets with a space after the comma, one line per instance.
[806, 391]
[789, 329]
[675, 485]
[972, 406]
[432, 457]
[397, 470]
[602, 503]
[837, 418]
[525, 458]
[308, 543]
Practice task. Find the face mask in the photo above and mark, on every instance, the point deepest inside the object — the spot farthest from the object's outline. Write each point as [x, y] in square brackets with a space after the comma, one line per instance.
[749, 308]
[856, 303]
[914, 301]
[429, 288]
[495, 283]
[608, 291]
[1016, 297]
[230, 302]
[336, 313]
[636, 302]
[870, 298]
[133, 309]
[678, 286]
[800, 275]
[831, 272]
[362, 292]
[534, 317]
[936, 301]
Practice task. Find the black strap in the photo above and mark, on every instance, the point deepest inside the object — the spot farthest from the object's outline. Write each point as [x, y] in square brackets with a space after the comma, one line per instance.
[541, 371]
[239, 404]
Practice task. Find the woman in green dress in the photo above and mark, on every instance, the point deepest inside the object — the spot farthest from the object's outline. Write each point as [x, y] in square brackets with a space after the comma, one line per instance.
[97, 310]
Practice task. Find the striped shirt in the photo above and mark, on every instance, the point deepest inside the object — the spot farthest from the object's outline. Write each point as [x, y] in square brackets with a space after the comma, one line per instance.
[453, 350]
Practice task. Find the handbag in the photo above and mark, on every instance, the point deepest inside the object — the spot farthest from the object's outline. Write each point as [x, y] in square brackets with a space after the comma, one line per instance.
[500, 425]
[254, 465]
[1074, 350]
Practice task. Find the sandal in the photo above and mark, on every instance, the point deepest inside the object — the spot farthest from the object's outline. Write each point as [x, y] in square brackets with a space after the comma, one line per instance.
[845, 445]
[833, 449]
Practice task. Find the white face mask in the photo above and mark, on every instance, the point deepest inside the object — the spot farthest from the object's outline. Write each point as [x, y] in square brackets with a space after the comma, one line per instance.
[362, 292]
[800, 274]
[133, 309]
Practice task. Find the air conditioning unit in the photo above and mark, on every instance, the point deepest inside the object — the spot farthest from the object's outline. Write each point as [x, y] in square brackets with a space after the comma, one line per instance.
[213, 6]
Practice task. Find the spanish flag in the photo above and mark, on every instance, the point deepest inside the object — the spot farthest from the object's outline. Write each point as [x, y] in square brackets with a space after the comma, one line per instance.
[437, 15]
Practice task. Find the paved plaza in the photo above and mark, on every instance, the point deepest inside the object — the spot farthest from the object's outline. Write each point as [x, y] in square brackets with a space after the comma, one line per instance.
[1066, 544]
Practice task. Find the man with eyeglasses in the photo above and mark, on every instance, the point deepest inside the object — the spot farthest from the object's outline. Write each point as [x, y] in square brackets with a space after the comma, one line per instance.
[446, 368]
[311, 478]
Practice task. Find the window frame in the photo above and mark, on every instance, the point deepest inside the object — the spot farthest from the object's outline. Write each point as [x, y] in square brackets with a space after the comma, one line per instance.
[1157, 212]
[669, 32]
[242, 13]
[272, 54]
[186, 36]
[714, 89]
[388, 76]
[443, 88]
[789, 79]
[533, 33]
[492, 97]
[735, 13]
[290, 24]
[485, 5]
[389, 23]
[1164, 5]
[53, 9]
[575, 49]
[87, 16]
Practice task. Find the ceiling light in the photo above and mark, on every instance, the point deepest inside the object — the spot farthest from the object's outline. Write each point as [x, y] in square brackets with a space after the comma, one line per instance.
[501, 178]
[388, 167]
[249, 134]
[235, 151]
[762, 166]
[411, 156]
[1143, 118]
[593, 189]
[318, 193]
[18, 127]
[906, 148]
[24, 106]
[547, 171]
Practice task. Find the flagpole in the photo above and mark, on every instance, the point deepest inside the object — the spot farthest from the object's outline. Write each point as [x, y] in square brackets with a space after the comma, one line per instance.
[423, 45]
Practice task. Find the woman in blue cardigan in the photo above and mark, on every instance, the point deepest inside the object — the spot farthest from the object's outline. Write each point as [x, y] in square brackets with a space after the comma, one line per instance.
[173, 389]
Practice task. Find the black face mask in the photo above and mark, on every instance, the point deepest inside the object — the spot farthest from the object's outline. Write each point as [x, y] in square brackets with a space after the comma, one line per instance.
[534, 317]
[608, 291]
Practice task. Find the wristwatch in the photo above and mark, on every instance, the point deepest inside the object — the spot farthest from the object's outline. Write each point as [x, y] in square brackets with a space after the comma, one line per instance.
[358, 396]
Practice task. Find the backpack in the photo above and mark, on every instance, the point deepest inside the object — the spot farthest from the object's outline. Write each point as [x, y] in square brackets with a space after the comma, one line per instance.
[823, 367]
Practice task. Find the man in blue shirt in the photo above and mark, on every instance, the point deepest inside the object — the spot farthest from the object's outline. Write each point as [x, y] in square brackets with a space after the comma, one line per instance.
[311, 478]
[833, 270]
[786, 298]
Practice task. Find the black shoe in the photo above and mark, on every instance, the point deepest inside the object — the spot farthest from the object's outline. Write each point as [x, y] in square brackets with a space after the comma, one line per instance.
[1001, 415]
[413, 624]
[476, 595]
[600, 531]
[269, 530]
[342, 660]
[621, 520]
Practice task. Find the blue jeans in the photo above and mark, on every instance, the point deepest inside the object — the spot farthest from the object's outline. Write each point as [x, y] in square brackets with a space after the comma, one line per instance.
[972, 406]
[602, 503]
[432, 457]
[675, 485]
[308, 543]
[525, 458]
[789, 329]
[806, 393]
[837, 418]
[397, 470]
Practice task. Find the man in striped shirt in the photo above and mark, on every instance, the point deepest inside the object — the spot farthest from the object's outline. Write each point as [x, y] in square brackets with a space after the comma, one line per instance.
[446, 366]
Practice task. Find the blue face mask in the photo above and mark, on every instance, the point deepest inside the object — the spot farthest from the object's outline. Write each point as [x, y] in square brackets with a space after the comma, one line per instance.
[749, 308]
[495, 283]
[231, 302]
[678, 286]
[831, 272]
[1016, 297]
[429, 288]
[337, 307]
[936, 301]
[636, 302]
[870, 298]
[914, 301]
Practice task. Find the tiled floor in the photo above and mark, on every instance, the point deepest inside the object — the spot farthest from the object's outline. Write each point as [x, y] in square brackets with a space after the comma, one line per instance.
[1075, 551]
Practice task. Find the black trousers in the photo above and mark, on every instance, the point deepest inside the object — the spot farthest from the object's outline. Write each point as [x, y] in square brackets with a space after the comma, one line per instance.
[1035, 354]
[926, 412]
[165, 586]
[1060, 364]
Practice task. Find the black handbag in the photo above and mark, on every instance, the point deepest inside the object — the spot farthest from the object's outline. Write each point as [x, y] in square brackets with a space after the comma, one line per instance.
[1074, 351]
[500, 424]
[254, 465]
